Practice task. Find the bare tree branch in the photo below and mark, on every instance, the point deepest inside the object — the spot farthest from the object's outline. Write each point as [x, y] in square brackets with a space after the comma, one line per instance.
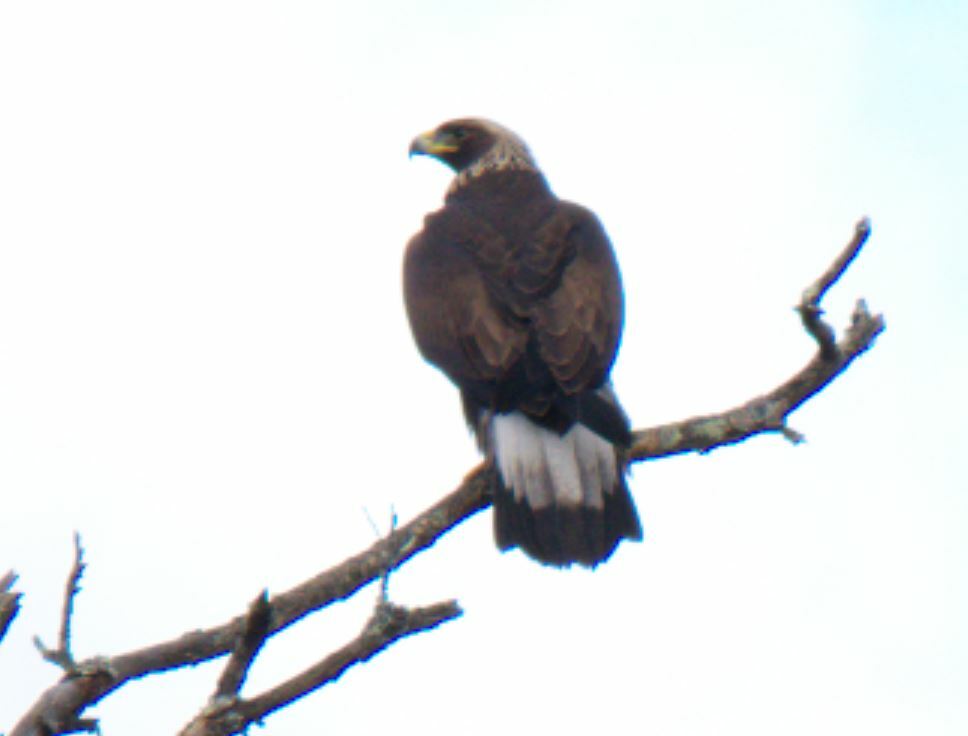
[809, 308]
[769, 412]
[388, 624]
[9, 602]
[61, 706]
[97, 678]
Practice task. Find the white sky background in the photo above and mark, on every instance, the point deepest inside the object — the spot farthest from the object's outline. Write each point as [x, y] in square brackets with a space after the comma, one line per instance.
[205, 367]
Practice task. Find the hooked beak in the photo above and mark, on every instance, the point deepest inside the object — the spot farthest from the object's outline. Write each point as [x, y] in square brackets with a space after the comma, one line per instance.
[431, 144]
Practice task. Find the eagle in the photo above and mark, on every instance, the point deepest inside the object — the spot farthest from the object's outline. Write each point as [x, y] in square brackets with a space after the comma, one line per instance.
[516, 296]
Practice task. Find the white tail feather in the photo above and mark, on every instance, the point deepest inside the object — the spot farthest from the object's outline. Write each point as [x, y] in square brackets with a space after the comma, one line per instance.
[545, 468]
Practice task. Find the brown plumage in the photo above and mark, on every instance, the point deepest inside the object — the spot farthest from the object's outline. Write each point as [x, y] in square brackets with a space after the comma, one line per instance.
[515, 295]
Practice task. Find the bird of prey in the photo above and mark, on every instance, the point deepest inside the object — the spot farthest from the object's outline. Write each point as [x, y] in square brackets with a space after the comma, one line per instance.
[516, 296]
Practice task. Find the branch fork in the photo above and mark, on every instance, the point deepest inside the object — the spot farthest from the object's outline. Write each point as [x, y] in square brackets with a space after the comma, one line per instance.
[61, 655]
[809, 307]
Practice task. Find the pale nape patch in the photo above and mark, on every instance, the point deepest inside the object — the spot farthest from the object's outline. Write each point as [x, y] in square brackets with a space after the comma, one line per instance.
[508, 152]
[536, 464]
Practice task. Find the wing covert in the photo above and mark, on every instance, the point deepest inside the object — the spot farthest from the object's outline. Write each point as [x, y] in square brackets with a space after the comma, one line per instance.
[456, 323]
[578, 325]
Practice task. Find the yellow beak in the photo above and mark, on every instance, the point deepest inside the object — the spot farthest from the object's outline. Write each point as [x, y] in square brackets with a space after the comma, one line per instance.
[430, 144]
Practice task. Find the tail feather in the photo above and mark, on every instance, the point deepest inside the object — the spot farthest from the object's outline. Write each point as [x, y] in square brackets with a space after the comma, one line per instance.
[600, 412]
[563, 536]
[561, 498]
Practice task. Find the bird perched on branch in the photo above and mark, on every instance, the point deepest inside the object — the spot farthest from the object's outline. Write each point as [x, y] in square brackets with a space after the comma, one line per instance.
[516, 296]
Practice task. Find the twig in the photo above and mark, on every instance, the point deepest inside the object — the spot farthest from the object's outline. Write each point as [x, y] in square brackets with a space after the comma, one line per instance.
[253, 636]
[9, 602]
[791, 435]
[767, 413]
[809, 307]
[72, 589]
[385, 578]
[389, 624]
[61, 656]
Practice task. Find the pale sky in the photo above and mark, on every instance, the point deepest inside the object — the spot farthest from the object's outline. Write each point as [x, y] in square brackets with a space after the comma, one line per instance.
[205, 366]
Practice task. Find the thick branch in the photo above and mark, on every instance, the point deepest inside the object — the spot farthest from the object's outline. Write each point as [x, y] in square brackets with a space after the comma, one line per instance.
[65, 701]
[388, 624]
[767, 413]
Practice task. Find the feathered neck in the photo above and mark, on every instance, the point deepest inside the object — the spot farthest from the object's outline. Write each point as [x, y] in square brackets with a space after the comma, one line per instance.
[509, 153]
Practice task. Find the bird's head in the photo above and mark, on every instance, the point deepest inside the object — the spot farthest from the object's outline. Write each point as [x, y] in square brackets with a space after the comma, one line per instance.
[471, 146]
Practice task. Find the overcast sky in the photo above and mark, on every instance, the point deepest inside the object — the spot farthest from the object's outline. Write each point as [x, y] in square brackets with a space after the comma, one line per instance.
[205, 366]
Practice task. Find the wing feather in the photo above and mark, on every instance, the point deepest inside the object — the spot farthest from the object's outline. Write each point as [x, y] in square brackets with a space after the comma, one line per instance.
[579, 323]
[456, 323]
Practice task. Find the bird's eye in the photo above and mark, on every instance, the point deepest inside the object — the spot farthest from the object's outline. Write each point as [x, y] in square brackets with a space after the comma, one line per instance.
[459, 133]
